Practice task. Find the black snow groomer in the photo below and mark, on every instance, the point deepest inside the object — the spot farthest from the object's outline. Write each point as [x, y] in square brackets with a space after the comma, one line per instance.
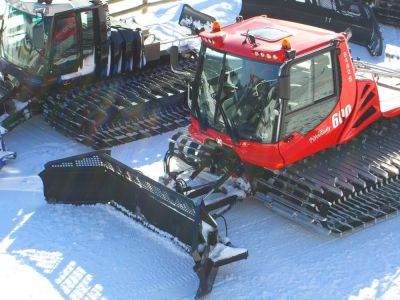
[101, 80]
[98, 178]
[335, 15]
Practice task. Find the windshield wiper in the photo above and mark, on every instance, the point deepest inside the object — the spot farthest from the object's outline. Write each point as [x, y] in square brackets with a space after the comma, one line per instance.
[231, 131]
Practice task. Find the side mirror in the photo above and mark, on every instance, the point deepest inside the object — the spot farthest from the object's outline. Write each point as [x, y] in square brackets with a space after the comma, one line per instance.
[38, 36]
[348, 34]
[284, 87]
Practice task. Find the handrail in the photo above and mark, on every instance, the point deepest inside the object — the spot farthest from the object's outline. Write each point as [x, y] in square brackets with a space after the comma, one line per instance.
[144, 6]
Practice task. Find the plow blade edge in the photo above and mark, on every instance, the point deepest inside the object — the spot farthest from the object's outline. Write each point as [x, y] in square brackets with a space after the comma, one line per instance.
[98, 178]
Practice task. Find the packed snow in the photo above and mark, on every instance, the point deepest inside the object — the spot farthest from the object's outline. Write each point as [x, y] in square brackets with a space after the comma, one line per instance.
[94, 252]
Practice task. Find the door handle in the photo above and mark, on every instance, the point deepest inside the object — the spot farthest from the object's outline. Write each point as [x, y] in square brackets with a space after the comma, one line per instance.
[289, 138]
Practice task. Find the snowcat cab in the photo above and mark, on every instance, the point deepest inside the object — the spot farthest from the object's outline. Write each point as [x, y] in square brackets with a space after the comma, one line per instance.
[260, 88]
[47, 44]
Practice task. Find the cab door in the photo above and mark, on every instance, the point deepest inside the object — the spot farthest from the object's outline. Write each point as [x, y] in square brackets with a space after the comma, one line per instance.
[73, 46]
[65, 50]
[307, 116]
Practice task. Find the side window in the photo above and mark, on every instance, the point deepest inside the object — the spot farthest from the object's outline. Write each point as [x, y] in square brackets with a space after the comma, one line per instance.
[65, 52]
[87, 33]
[312, 94]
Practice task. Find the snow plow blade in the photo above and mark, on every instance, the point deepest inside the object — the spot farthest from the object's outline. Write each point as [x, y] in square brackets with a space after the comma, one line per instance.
[194, 19]
[96, 177]
[331, 15]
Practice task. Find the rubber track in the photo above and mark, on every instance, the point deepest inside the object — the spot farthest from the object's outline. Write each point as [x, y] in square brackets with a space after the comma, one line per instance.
[338, 191]
[124, 108]
[344, 188]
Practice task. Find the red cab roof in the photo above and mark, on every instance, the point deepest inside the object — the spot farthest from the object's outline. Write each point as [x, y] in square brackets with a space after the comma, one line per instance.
[269, 34]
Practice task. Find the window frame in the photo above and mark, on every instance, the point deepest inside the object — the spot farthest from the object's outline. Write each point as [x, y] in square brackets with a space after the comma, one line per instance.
[80, 24]
[314, 102]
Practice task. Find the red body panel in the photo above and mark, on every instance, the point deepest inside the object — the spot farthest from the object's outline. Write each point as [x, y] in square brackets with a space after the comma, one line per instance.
[367, 98]
[392, 113]
[266, 155]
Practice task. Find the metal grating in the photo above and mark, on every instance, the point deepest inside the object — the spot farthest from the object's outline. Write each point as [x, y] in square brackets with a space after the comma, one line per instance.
[157, 191]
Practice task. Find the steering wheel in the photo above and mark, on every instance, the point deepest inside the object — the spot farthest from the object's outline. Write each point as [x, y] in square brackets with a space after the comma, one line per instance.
[230, 86]
[263, 84]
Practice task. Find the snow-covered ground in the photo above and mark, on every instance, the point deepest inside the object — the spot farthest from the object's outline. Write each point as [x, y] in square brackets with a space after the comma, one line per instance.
[94, 252]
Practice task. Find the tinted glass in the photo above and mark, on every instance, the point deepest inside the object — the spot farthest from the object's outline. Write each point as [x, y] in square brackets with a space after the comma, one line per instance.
[312, 94]
[245, 90]
[87, 33]
[17, 46]
[65, 45]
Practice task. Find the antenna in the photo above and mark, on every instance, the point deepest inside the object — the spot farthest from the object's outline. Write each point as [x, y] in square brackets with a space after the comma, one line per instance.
[250, 38]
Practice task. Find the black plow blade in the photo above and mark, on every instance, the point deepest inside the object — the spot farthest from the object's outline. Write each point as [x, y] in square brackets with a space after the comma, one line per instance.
[98, 178]
[195, 20]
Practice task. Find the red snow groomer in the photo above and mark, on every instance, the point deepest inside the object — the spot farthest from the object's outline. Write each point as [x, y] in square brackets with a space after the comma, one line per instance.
[279, 111]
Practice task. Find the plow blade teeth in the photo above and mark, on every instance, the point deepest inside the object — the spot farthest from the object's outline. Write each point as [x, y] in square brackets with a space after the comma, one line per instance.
[96, 177]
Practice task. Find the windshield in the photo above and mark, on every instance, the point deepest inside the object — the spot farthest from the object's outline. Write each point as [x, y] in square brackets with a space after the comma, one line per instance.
[238, 93]
[17, 46]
